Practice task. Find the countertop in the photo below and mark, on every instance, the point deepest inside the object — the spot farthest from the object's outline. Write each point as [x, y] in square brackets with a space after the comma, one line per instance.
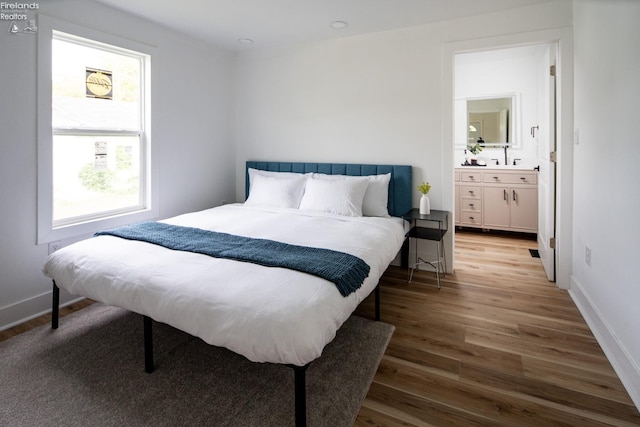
[497, 167]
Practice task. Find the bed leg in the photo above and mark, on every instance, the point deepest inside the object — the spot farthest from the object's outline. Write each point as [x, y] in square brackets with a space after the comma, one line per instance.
[301, 395]
[148, 345]
[377, 303]
[55, 306]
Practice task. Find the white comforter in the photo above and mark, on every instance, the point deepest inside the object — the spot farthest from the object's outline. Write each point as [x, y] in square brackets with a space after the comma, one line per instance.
[266, 314]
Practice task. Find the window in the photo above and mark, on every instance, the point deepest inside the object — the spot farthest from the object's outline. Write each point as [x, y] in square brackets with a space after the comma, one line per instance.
[94, 116]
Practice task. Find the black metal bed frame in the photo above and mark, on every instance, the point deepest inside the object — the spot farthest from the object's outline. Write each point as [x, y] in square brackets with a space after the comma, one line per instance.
[300, 388]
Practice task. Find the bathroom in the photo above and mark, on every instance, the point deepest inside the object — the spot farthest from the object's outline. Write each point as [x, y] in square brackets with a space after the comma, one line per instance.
[512, 87]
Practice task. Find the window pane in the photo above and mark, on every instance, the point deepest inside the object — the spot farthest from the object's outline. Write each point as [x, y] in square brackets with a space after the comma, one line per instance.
[94, 88]
[94, 174]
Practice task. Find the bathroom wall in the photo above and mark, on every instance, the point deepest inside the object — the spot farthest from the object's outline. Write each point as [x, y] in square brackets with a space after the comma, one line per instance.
[501, 72]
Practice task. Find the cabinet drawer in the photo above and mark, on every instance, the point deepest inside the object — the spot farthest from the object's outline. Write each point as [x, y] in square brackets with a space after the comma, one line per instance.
[456, 176]
[510, 178]
[470, 191]
[469, 204]
[470, 176]
[471, 218]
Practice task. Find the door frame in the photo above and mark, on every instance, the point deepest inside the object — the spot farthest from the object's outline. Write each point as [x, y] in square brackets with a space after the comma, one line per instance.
[564, 124]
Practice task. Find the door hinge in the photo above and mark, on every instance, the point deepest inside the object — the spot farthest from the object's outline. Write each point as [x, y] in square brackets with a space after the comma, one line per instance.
[553, 157]
[552, 70]
[552, 243]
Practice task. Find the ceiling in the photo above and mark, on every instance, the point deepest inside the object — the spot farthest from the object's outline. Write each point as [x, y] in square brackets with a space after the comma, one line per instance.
[273, 23]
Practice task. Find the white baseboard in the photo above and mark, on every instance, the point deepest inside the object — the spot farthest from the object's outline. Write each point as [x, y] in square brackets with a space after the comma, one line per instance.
[30, 308]
[622, 363]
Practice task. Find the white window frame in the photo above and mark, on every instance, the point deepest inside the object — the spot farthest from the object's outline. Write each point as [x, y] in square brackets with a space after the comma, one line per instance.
[46, 231]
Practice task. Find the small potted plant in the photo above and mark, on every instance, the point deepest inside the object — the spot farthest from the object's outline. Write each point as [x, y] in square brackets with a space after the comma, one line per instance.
[425, 204]
[474, 149]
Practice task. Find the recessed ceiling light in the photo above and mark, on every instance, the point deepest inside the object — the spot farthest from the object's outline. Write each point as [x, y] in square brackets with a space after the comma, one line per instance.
[339, 25]
[245, 41]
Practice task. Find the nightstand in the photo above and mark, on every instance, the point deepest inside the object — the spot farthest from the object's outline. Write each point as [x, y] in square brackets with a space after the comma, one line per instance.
[431, 227]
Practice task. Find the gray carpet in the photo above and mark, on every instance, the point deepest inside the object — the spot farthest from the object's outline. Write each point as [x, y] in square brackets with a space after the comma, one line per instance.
[90, 372]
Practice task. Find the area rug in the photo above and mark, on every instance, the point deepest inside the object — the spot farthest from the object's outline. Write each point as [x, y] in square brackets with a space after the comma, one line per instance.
[90, 371]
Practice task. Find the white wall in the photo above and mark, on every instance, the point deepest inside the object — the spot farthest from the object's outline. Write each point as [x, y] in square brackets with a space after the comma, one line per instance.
[376, 98]
[194, 139]
[606, 192]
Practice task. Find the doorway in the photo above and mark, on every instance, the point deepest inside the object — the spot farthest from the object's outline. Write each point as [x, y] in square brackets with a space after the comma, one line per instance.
[525, 75]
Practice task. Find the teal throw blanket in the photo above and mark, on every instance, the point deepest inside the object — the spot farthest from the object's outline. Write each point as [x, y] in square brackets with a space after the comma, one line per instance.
[346, 271]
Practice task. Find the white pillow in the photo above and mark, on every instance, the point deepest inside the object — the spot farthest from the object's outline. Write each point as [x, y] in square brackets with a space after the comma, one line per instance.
[253, 172]
[376, 197]
[280, 175]
[268, 191]
[342, 197]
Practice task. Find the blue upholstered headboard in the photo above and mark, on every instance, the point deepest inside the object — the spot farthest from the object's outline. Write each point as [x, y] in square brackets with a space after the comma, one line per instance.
[400, 186]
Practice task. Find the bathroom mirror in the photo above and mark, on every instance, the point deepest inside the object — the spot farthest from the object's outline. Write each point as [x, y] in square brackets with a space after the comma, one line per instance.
[491, 119]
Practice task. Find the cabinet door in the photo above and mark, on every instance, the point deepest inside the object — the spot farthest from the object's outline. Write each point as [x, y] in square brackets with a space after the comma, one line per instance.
[496, 207]
[524, 208]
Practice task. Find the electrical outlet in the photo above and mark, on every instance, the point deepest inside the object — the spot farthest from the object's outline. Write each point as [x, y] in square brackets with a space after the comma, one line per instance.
[54, 246]
[587, 255]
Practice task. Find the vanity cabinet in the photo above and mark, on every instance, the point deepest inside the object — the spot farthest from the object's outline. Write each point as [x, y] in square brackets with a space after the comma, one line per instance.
[498, 199]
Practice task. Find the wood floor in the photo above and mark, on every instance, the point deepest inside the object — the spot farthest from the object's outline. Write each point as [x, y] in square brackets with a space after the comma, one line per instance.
[42, 320]
[497, 345]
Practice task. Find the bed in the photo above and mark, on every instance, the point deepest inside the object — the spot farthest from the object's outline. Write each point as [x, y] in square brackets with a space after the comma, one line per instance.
[267, 313]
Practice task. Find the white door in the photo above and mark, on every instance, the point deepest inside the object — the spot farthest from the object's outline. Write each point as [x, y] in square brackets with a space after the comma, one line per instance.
[545, 136]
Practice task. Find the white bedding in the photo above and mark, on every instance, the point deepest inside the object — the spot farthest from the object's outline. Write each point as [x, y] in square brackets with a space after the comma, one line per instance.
[266, 314]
